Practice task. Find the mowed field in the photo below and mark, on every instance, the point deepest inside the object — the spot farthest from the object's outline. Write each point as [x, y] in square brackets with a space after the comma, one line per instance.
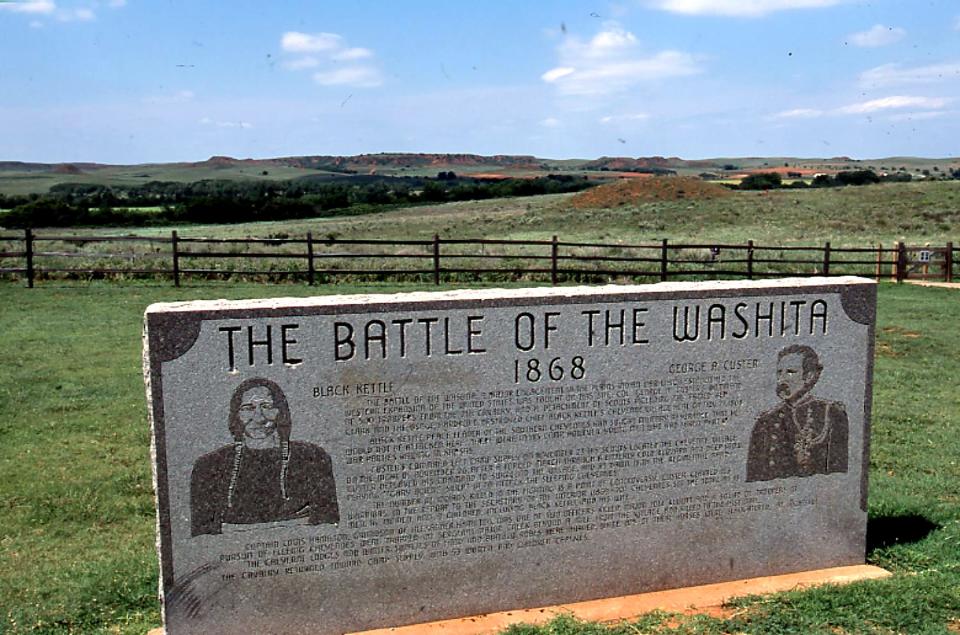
[77, 520]
[76, 504]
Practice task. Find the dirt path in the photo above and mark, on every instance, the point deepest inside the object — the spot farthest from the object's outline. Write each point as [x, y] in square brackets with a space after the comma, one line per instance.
[925, 283]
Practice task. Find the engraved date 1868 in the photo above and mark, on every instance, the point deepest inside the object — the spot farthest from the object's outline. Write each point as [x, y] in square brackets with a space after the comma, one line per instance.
[534, 370]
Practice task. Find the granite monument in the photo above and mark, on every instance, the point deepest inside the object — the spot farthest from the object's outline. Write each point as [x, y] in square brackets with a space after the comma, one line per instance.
[340, 463]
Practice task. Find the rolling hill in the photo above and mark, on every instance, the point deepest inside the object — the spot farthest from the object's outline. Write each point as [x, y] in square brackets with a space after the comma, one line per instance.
[18, 177]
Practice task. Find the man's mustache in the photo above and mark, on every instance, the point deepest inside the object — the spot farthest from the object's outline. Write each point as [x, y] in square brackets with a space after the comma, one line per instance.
[783, 390]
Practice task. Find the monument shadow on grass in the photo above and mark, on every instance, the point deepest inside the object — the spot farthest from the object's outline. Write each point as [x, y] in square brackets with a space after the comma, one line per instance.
[885, 531]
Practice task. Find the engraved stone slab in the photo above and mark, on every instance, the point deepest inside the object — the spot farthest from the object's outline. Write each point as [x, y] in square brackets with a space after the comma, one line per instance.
[343, 463]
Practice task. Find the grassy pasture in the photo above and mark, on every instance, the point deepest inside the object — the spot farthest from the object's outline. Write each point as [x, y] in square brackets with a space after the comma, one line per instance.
[76, 507]
[28, 181]
[847, 216]
[916, 213]
[12, 182]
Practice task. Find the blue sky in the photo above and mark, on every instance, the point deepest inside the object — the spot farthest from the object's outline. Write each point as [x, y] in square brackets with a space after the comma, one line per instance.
[131, 81]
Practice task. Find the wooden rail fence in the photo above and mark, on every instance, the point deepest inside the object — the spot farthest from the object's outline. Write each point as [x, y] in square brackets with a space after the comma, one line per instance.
[42, 256]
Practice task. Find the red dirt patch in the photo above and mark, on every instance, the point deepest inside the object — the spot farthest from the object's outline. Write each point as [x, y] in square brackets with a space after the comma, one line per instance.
[667, 188]
[66, 168]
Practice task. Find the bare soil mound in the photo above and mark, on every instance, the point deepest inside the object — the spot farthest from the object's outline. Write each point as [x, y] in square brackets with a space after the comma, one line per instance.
[66, 168]
[664, 188]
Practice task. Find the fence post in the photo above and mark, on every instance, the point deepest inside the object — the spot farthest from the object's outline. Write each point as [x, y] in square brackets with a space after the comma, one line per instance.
[750, 260]
[826, 258]
[879, 271]
[175, 252]
[310, 269]
[554, 248]
[901, 262]
[436, 259]
[28, 252]
[663, 261]
[948, 263]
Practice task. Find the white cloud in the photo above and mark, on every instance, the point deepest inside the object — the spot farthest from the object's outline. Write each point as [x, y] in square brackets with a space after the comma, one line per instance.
[36, 7]
[927, 108]
[894, 102]
[353, 54]
[207, 121]
[49, 8]
[551, 122]
[612, 62]
[613, 39]
[359, 76]
[556, 73]
[301, 63]
[341, 65]
[891, 74]
[877, 35]
[737, 8]
[78, 14]
[799, 113]
[296, 42]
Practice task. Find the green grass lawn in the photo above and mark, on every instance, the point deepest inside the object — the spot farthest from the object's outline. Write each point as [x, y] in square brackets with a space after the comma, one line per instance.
[76, 504]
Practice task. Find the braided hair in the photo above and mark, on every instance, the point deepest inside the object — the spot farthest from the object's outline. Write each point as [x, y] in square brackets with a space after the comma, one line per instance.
[236, 427]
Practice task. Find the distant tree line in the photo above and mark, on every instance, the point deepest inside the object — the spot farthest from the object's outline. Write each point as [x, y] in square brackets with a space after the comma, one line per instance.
[223, 201]
[773, 180]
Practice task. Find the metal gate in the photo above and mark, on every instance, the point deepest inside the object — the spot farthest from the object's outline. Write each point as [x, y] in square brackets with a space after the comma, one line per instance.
[925, 263]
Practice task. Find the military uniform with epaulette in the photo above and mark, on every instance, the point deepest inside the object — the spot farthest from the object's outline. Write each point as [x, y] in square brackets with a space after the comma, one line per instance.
[799, 439]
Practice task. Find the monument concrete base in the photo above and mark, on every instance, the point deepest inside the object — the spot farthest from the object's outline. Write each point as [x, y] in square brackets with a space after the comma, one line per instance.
[707, 598]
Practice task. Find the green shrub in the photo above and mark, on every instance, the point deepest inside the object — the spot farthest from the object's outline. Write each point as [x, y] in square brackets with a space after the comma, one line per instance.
[762, 181]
